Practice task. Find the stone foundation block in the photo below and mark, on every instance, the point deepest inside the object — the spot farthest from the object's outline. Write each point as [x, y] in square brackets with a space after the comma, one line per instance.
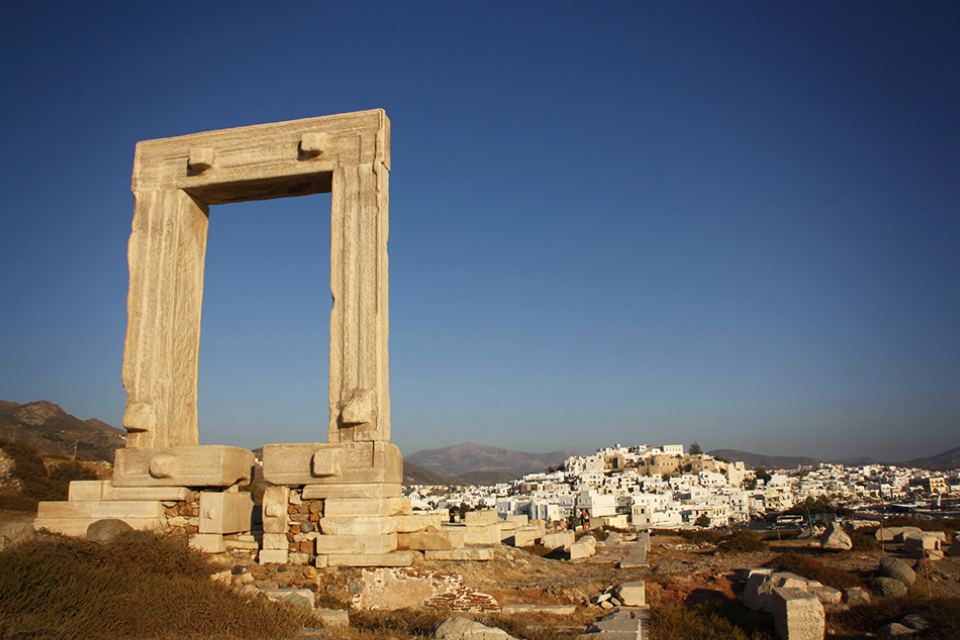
[417, 522]
[275, 501]
[350, 545]
[364, 526]
[208, 542]
[481, 535]
[432, 540]
[275, 541]
[797, 615]
[193, 466]
[222, 512]
[273, 556]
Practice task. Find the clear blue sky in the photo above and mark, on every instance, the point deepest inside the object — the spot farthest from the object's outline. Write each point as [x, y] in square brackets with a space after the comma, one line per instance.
[635, 222]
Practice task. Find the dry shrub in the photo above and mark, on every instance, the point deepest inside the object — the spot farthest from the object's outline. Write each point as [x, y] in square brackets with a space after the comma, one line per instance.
[943, 613]
[672, 621]
[702, 537]
[142, 586]
[742, 542]
[405, 624]
[947, 525]
[810, 568]
[863, 539]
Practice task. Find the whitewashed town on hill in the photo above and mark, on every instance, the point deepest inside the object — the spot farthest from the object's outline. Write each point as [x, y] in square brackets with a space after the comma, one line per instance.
[666, 487]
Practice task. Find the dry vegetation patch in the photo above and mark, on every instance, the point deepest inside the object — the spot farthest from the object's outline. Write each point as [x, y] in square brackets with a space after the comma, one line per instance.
[808, 567]
[142, 586]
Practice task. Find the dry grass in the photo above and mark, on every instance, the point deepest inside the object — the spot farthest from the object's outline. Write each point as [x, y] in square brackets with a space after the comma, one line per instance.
[714, 621]
[808, 567]
[143, 586]
[943, 613]
[407, 625]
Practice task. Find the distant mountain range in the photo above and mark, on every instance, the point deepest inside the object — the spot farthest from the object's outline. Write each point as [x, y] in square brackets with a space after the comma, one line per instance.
[469, 458]
[49, 428]
[941, 462]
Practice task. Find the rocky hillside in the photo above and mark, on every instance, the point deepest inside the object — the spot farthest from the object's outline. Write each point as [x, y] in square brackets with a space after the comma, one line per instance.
[49, 428]
[470, 457]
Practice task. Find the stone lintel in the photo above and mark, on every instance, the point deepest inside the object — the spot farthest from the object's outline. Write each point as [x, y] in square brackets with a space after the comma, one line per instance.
[332, 463]
[192, 466]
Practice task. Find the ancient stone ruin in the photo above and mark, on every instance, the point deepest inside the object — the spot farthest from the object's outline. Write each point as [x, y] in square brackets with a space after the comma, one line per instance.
[331, 503]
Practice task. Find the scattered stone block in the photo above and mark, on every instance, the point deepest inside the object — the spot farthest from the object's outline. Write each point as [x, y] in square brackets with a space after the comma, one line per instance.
[896, 568]
[558, 540]
[835, 538]
[797, 615]
[889, 587]
[894, 534]
[855, 596]
[332, 618]
[106, 531]
[14, 533]
[300, 598]
[463, 629]
[826, 595]
[924, 545]
[632, 594]
[583, 548]
[894, 630]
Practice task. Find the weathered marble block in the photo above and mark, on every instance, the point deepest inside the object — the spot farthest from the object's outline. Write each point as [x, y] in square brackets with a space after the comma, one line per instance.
[193, 466]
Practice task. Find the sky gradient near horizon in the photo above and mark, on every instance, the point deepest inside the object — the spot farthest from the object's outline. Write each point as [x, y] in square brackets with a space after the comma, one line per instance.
[736, 223]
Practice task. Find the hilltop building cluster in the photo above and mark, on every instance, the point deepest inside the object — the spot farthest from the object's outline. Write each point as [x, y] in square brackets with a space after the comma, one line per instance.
[666, 487]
